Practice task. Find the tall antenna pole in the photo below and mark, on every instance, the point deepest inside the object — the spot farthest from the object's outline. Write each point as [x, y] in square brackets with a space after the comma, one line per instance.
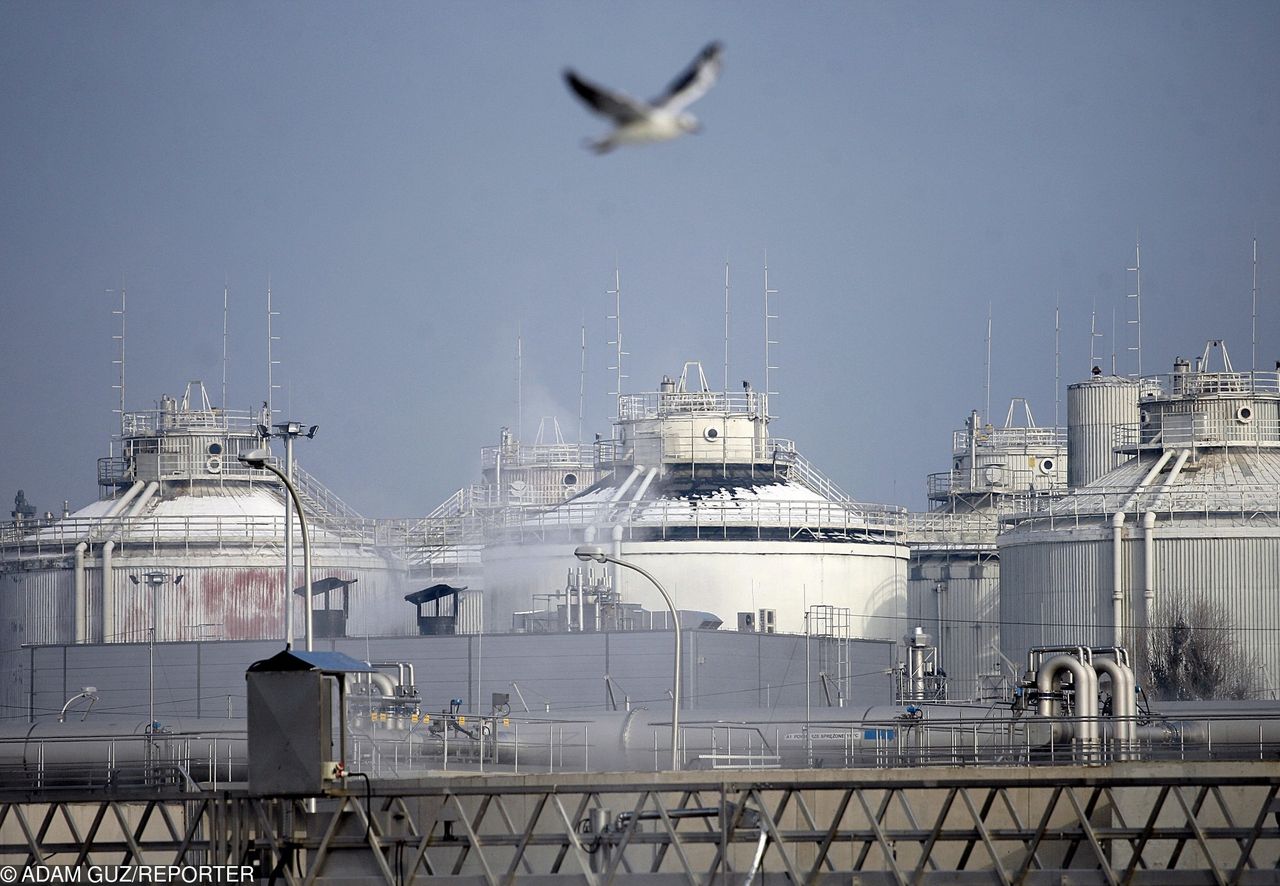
[272, 387]
[1057, 363]
[1254, 331]
[1093, 333]
[1136, 295]
[768, 340]
[987, 415]
[726, 327]
[1113, 339]
[225, 289]
[582, 378]
[119, 361]
[519, 386]
[619, 353]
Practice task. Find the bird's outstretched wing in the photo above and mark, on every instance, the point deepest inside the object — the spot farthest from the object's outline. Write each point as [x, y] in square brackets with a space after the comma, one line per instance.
[694, 81]
[617, 106]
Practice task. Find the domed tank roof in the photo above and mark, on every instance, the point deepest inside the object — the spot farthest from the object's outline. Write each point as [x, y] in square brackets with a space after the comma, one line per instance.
[763, 504]
[1206, 442]
[1213, 482]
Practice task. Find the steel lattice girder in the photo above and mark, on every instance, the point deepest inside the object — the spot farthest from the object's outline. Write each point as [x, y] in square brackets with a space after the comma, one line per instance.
[1130, 823]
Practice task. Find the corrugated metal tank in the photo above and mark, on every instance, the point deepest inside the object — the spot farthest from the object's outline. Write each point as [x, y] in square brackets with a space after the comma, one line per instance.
[954, 595]
[729, 519]
[720, 577]
[1055, 589]
[954, 588]
[1094, 408]
[1205, 528]
[188, 539]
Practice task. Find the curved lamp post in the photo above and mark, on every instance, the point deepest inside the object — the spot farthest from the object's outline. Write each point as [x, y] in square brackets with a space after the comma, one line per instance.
[597, 554]
[258, 459]
[89, 692]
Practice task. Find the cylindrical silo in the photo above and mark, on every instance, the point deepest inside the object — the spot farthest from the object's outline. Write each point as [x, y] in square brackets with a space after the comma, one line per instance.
[729, 519]
[186, 545]
[1094, 409]
[1179, 544]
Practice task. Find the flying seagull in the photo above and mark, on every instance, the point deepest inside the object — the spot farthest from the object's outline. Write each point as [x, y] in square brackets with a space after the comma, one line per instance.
[662, 118]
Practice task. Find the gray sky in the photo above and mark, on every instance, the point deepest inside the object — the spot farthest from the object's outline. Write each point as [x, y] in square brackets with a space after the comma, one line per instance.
[412, 179]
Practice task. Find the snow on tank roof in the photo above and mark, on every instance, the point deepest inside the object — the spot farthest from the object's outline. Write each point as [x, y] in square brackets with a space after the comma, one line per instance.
[232, 513]
[94, 509]
[728, 501]
[704, 490]
[256, 501]
[1235, 481]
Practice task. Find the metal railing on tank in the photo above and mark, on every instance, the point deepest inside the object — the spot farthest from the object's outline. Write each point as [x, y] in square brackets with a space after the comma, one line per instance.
[1001, 439]
[1235, 505]
[511, 744]
[1196, 430]
[795, 520]
[159, 762]
[60, 537]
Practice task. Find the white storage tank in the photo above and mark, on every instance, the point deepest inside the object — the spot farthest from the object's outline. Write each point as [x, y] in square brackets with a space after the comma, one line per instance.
[1094, 409]
[1191, 517]
[188, 541]
[954, 585]
[726, 517]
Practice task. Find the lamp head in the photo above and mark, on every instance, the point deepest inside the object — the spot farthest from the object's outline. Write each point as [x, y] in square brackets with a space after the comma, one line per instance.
[255, 458]
[590, 552]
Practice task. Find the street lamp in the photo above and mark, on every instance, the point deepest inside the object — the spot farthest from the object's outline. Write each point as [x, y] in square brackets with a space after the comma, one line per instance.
[597, 554]
[89, 692]
[154, 579]
[258, 459]
[288, 431]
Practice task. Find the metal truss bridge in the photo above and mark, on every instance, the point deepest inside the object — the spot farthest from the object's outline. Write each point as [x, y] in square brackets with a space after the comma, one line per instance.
[1152, 823]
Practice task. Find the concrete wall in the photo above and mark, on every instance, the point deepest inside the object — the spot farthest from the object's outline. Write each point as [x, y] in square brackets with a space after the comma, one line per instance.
[721, 669]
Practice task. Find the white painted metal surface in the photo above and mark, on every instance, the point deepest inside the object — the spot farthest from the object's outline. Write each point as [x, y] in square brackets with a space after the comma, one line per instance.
[1205, 526]
[723, 577]
[1094, 408]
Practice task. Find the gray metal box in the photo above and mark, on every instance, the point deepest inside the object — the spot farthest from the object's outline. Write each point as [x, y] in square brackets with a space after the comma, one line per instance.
[290, 731]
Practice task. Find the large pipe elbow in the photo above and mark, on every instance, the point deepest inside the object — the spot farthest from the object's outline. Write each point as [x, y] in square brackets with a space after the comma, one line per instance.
[1085, 681]
[383, 682]
[1124, 704]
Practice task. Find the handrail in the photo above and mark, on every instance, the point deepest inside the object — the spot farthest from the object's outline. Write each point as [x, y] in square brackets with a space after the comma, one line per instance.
[671, 516]
[1196, 429]
[538, 454]
[1206, 384]
[991, 438]
[1234, 504]
[659, 404]
[149, 421]
[321, 497]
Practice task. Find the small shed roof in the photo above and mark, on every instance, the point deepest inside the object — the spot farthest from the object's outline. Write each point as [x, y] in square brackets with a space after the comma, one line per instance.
[324, 585]
[431, 594]
[325, 662]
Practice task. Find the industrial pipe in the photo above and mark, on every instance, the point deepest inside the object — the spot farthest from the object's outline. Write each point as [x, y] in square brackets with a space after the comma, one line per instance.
[1117, 547]
[1085, 682]
[81, 595]
[640, 491]
[1124, 704]
[108, 585]
[1149, 543]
